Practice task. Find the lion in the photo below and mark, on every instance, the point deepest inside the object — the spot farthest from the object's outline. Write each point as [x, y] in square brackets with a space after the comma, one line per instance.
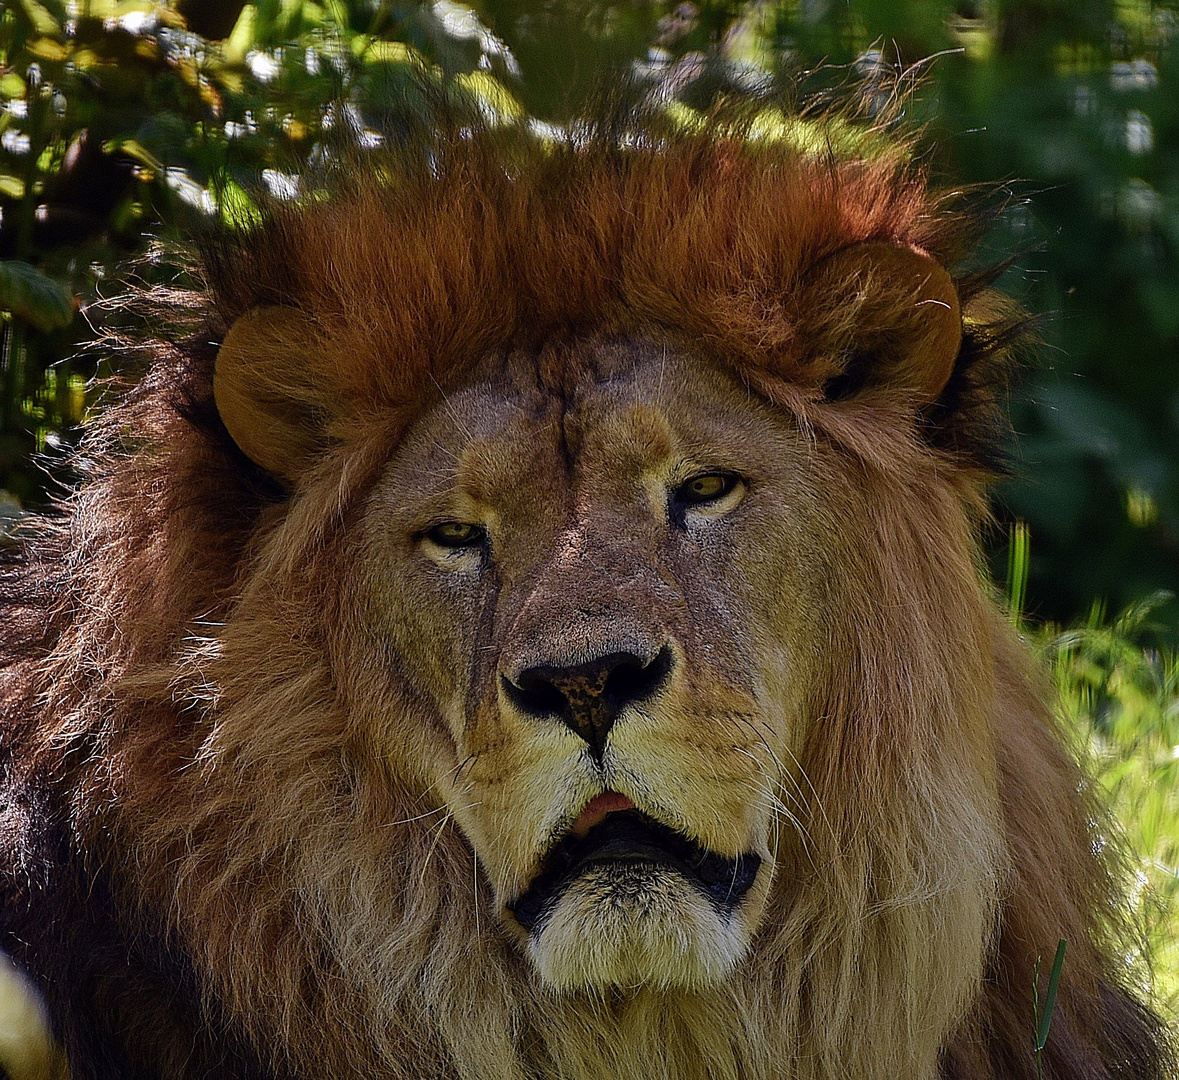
[528, 622]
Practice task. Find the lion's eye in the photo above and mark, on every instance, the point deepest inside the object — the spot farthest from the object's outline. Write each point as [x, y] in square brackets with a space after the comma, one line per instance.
[706, 488]
[456, 534]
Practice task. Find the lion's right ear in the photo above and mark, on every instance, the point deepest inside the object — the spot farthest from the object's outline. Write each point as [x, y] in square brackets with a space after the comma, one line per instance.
[271, 389]
[885, 314]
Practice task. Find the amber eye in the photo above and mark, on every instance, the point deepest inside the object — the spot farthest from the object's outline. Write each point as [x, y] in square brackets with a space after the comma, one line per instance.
[706, 488]
[456, 534]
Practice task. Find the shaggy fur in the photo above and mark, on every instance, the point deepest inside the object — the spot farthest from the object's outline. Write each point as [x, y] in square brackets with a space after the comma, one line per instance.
[221, 851]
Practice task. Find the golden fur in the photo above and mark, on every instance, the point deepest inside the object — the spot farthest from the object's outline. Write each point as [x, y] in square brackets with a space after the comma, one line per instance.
[273, 728]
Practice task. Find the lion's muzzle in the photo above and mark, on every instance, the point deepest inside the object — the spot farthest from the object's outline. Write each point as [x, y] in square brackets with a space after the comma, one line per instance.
[632, 842]
[632, 901]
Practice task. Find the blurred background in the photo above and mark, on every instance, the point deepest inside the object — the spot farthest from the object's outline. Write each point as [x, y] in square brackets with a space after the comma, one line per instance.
[125, 125]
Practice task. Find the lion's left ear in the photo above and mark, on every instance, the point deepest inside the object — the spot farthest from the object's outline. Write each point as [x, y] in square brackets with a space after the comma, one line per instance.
[891, 317]
[272, 389]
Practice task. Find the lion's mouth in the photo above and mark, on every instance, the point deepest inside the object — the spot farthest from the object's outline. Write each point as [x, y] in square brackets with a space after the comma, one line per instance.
[630, 836]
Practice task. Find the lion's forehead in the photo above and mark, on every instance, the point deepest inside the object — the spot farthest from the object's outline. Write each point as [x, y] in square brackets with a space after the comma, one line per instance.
[619, 414]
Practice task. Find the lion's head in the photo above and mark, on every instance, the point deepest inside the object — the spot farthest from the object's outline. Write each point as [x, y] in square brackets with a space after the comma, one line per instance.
[603, 575]
[540, 633]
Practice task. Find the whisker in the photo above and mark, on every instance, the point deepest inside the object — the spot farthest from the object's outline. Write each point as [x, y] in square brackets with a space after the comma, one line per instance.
[475, 884]
[790, 774]
[411, 820]
[433, 847]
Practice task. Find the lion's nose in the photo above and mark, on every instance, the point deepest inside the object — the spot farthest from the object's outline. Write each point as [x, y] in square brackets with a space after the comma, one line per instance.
[589, 697]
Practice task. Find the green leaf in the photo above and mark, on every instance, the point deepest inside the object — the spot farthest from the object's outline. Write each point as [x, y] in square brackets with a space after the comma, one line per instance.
[47, 48]
[135, 150]
[1050, 998]
[30, 295]
[375, 51]
[1018, 564]
[39, 17]
[236, 207]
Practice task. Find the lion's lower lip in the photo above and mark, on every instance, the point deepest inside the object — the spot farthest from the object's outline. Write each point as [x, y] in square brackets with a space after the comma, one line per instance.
[630, 836]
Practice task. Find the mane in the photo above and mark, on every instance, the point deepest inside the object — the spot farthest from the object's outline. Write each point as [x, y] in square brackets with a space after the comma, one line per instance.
[123, 614]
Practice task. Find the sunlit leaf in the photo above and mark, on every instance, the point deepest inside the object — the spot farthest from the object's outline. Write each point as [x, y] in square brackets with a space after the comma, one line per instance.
[46, 48]
[338, 12]
[12, 186]
[40, 16]
[684, 116]
[84, 59]
[235, 206]
[38, 299]
[491, 92]
[148, 50]
[241, 40]
[129, 7]
[817, 138]
[135, 150]
[392, 52]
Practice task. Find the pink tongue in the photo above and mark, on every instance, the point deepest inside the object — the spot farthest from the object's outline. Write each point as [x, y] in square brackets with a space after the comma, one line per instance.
[597, 808]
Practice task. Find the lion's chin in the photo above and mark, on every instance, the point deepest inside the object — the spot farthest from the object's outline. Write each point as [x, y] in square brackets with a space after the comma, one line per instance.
[631, 924]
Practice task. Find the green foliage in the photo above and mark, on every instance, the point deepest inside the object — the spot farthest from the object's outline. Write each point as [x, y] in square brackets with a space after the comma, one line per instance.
[120, 125]
[1120, 695]
[29, 295]
[1117, 694]
[1075, 105]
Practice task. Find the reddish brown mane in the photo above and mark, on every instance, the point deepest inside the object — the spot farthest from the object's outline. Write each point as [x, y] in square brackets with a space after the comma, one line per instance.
[703, 238]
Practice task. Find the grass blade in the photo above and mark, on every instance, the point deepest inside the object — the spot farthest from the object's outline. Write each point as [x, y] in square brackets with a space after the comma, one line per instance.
[1050, 998]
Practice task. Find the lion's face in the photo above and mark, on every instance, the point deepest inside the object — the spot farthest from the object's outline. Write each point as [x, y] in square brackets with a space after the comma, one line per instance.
[596, 592]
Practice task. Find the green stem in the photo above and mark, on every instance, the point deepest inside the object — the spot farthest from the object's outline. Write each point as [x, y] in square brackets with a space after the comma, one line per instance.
[12, 367]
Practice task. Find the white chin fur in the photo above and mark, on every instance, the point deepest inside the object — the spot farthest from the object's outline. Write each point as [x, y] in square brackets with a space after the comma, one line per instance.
[635, 924]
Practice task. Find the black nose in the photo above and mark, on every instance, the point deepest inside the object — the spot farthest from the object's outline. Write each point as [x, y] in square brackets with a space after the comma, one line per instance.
[588, 697]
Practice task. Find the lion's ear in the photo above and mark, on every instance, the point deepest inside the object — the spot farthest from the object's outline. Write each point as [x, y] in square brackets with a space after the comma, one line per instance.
[270, 389]
[897, 318]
